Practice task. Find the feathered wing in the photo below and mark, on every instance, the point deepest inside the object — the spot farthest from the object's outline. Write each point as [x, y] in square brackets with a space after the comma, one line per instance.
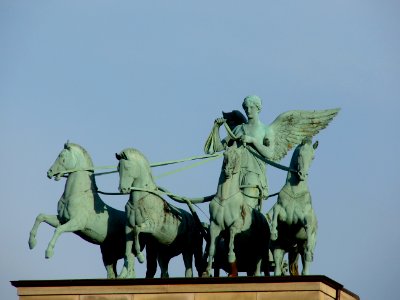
[290, 128]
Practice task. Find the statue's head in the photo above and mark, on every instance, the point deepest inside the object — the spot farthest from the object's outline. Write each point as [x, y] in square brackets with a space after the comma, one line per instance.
[252, 100]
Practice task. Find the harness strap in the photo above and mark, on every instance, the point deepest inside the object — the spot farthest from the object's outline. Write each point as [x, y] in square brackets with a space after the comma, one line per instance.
[153, 165]
[208, 158]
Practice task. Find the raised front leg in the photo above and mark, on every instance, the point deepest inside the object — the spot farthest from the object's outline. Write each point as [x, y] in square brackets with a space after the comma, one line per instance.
[136, 230]
[71, 226]
[52, 220]
[278, 213]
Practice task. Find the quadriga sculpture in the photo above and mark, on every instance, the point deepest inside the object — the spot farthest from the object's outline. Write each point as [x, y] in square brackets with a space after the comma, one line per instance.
[244, 230]
[294, 223]
[81, 210]
[172, 231]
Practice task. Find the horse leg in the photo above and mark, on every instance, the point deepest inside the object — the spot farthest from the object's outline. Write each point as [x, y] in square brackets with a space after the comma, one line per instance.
[308, 251]
[257, 272]
[111, 271]
[293, 261]
[198, 255]
[274, 224]
[309, 245]
[151, 259]
[163, 261]
[109, 259]
[128, 270]
[72, 225]
[215, 231]
[52, 220]
[234, 229]
[278, 259]
[304, 261]
[188, 262]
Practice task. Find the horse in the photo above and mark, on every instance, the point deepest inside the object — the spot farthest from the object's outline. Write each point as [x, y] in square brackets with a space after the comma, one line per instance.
[81, 210]
[244, 230]
[171, 230]
[294, 222]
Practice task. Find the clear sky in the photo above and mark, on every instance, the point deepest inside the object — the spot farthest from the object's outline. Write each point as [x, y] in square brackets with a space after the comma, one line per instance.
[155, 74]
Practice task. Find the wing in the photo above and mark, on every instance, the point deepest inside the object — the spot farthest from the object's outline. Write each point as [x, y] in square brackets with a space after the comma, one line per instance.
[290, 128]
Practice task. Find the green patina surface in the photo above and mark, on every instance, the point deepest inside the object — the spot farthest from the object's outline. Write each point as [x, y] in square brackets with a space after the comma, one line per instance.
[234, 209]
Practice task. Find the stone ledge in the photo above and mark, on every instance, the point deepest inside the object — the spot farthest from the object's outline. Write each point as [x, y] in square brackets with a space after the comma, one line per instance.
[260, 288]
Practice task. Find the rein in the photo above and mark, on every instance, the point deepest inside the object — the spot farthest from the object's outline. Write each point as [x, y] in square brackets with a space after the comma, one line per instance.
[153, 165]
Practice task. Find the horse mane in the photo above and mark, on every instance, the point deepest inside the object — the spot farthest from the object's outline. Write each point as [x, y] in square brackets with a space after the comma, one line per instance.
[295, 157]
[87, 160]
[293, 162]
[136, 155]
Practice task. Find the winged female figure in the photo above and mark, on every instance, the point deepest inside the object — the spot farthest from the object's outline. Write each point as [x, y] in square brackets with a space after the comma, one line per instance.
[264, 143]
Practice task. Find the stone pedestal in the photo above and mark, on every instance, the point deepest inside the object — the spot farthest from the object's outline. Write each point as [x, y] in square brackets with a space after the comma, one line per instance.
[243, 288]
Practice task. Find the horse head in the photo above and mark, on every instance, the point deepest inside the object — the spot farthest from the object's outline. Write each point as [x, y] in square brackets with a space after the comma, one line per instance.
[231, 163]
[132, 165]
[304, 155]
[72, 158]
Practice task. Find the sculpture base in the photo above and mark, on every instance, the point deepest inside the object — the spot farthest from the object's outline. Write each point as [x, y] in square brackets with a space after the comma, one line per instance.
[244, 288]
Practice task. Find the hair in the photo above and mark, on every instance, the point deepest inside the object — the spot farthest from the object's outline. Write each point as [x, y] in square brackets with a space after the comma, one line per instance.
[253, 99]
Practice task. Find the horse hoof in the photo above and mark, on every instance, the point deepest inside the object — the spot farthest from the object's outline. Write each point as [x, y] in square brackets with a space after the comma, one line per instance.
[274, 236]
[49, 253]
[32, 243]
[123, 273]
[140, 258]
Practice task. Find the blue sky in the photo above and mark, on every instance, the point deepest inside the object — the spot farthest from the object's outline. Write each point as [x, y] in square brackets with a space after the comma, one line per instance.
[154, 75]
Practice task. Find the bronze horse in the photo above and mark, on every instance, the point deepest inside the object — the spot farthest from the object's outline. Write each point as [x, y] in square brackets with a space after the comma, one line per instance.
[81, 210]
[294, 223]
[169, 231]
[245, 231]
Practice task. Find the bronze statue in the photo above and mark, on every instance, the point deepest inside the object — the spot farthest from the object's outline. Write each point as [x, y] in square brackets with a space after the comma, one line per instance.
[264, 143]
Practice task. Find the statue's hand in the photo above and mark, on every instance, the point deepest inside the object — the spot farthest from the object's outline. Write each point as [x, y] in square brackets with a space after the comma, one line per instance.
[219, 121]
[246, 139]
